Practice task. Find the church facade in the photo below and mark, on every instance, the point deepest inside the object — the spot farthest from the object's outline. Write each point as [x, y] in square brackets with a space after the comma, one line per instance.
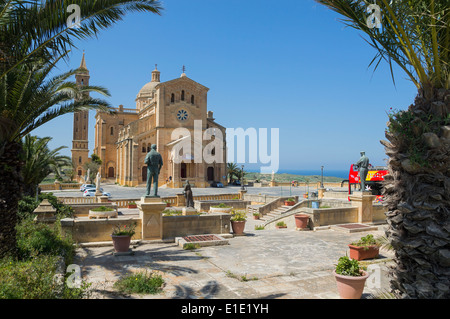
[169, 114]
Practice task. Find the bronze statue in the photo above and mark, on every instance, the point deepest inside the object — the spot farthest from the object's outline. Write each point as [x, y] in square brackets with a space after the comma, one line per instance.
[188, 195]
[363, 166]
[154, 163]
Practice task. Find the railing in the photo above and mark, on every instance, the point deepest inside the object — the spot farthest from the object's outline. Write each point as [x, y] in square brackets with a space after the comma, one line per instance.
[78, 200]
[216, 197]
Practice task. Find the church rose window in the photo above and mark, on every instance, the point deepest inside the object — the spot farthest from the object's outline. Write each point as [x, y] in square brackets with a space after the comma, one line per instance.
[182, 115]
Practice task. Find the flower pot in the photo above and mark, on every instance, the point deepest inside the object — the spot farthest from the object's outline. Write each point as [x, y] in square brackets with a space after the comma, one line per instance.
[132, 205]
[289, 203]
[121, 243]
[305, 195]
[255, 216]
[361, 253]
[301, 221]
[350, 287]
[238, 227]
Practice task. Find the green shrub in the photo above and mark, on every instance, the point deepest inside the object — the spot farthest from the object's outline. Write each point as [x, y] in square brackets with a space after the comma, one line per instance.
[41, 239]
[36, 279]
[102, 209]
[28, 204]
[142, 282]
[221, 205]
[238, 215]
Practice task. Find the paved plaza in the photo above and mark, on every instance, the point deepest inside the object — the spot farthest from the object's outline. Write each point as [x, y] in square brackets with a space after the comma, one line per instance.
[263, 264]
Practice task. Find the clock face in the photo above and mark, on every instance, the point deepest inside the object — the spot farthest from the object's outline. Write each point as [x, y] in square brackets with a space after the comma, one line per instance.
[182, 115]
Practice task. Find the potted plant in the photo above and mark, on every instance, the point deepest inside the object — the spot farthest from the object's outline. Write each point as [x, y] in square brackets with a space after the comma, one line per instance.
[366, 248]
[132, 205]
[167, 203]
[281, 225]
[255, 215]
[121, 237]
[305, 195]
[289, 202]
[301, 221]
[350, 278]
[238, 219]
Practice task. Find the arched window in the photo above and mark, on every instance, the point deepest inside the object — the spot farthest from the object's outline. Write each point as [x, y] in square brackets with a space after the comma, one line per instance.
[148, 149]
[112, 130]
[143, 148]
[172, 98]
[192, 99]
[182, 95]
[79, 159]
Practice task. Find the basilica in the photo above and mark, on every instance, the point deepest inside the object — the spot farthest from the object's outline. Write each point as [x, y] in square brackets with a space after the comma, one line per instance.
[163, 109]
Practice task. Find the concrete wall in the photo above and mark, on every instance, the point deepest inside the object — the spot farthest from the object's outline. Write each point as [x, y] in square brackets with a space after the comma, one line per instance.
[177, 226]
[85, 230]
[97, 230]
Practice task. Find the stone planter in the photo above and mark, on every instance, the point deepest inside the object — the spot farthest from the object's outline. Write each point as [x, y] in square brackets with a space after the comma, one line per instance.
[121, 243]
[238, 227]
[220, 210]
[361, 253]
[106, 214]
[350, 287]
[301, 221]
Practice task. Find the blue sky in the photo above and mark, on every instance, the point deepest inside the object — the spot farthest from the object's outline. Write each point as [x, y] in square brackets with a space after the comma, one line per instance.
[287, 64]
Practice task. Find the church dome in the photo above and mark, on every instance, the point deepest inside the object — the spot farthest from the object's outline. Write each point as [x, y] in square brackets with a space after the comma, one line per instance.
[150, 86]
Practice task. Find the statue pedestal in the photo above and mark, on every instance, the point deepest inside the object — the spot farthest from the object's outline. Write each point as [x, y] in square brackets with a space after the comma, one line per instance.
[363, 200]
[181, 200]
[189, 211]
[150, 212]
[320, 192]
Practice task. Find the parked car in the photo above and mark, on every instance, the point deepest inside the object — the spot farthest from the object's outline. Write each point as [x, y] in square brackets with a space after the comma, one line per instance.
[91, 192]
[84, 186]
[216, 184]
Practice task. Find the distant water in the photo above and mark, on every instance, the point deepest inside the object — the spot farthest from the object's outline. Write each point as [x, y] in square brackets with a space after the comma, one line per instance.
[331, 173]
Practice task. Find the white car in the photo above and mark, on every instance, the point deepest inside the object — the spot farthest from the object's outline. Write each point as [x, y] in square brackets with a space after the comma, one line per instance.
[91, 192]
[84, 186]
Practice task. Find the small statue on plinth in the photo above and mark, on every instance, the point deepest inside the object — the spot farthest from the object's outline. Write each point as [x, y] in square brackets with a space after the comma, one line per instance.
[363, 166]
[154, 163]
[188, 195]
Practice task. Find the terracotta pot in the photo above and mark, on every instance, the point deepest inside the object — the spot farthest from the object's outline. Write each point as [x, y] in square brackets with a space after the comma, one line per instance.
[350, 287]
[288, 203]
[238, 227]
[121, 243]
[255, 216]
[361, 253]
[132, 206]
[301, 221]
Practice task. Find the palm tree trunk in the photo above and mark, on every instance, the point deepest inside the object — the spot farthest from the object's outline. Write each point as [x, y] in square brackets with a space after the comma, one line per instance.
[10, 193]
[417, 195]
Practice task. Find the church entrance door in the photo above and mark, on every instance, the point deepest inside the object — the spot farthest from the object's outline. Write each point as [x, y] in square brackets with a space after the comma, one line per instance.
[144, 174]
[210, 173]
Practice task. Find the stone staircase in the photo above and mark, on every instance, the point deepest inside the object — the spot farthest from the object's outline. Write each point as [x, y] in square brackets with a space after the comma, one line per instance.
[277, 212]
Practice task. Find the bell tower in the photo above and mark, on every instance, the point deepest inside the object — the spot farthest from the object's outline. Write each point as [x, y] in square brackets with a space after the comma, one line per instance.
[80, 149]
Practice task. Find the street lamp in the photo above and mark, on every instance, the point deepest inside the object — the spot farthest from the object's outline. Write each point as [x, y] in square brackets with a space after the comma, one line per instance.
[321, 183]
[242, 178]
